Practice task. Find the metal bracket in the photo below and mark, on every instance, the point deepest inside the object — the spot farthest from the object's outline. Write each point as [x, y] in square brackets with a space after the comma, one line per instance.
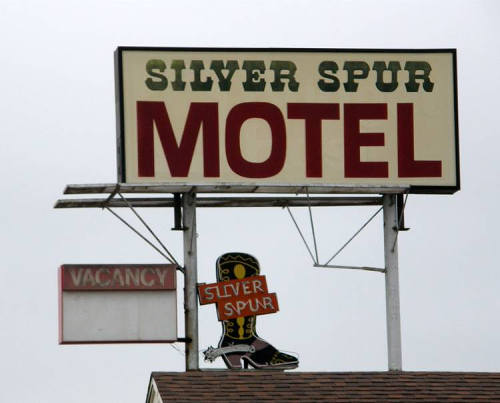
[401, 204]
[170, 258]
[177, 213]
[111, 195]
[212, 353]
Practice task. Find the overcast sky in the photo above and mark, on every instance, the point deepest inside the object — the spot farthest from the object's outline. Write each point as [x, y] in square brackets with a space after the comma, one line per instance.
[57, 125]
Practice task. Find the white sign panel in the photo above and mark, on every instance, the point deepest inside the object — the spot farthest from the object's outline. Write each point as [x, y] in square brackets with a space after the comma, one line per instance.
[288, 117]
[117, 304]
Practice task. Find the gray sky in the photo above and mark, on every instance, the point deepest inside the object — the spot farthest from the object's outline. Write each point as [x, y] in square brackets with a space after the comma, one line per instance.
[57, 122]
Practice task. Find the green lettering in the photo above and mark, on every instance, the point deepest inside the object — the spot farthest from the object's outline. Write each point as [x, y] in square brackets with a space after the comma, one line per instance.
[161, 83]
[352, 68]
[279, 67]
[412, 68]
[380, 67]
[218, 66]
[178, 66]
[254, 68]
[197, 84]
[328, 86]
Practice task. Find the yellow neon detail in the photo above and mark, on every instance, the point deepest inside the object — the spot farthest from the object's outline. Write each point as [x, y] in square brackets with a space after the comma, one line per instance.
[239, 271]
[241, 330]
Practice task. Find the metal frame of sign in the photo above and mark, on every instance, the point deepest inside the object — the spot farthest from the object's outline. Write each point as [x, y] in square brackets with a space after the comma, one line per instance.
[392, 217]
[271, 188]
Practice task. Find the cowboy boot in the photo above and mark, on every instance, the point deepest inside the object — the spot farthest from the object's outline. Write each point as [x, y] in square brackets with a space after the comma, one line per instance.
[239, 337]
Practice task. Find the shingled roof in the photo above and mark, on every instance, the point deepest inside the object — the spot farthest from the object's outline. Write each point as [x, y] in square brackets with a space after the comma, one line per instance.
[255, 386]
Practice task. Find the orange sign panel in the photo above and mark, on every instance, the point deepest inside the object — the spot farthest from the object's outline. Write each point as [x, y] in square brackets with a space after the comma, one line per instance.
[239, 298]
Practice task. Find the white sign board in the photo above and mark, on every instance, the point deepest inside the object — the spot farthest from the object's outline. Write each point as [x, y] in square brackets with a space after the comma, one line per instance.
[117, 304]
[288, 117]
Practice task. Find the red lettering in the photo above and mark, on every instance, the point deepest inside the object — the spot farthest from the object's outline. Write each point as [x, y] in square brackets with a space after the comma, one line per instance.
[179, 157]
[313, 115]
[235, 119]
[354, 140]
[407, 166]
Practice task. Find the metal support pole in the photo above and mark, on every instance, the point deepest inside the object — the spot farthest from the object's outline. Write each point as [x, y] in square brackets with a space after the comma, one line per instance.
[392, 283]
[190, 281]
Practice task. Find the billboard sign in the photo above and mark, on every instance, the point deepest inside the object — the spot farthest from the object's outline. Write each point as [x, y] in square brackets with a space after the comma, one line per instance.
[293, 117]
[117, 304]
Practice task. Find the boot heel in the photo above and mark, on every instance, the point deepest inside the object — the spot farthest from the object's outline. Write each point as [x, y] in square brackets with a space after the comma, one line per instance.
[233, 361]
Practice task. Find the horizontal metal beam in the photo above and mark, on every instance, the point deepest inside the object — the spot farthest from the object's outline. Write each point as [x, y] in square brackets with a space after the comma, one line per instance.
[223, 202]
[367, 268]
[232, 188]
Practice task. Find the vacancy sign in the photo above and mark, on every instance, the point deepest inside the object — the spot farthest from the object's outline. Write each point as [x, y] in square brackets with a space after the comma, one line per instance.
[247, 117]
[239, 298]
[117, 304]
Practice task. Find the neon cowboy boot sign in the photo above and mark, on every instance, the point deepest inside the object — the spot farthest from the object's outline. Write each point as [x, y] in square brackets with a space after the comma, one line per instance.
[240, 295]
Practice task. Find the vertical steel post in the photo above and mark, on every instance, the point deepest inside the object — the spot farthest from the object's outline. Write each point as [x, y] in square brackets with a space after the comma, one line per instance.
[190, 280]
[392, 283]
